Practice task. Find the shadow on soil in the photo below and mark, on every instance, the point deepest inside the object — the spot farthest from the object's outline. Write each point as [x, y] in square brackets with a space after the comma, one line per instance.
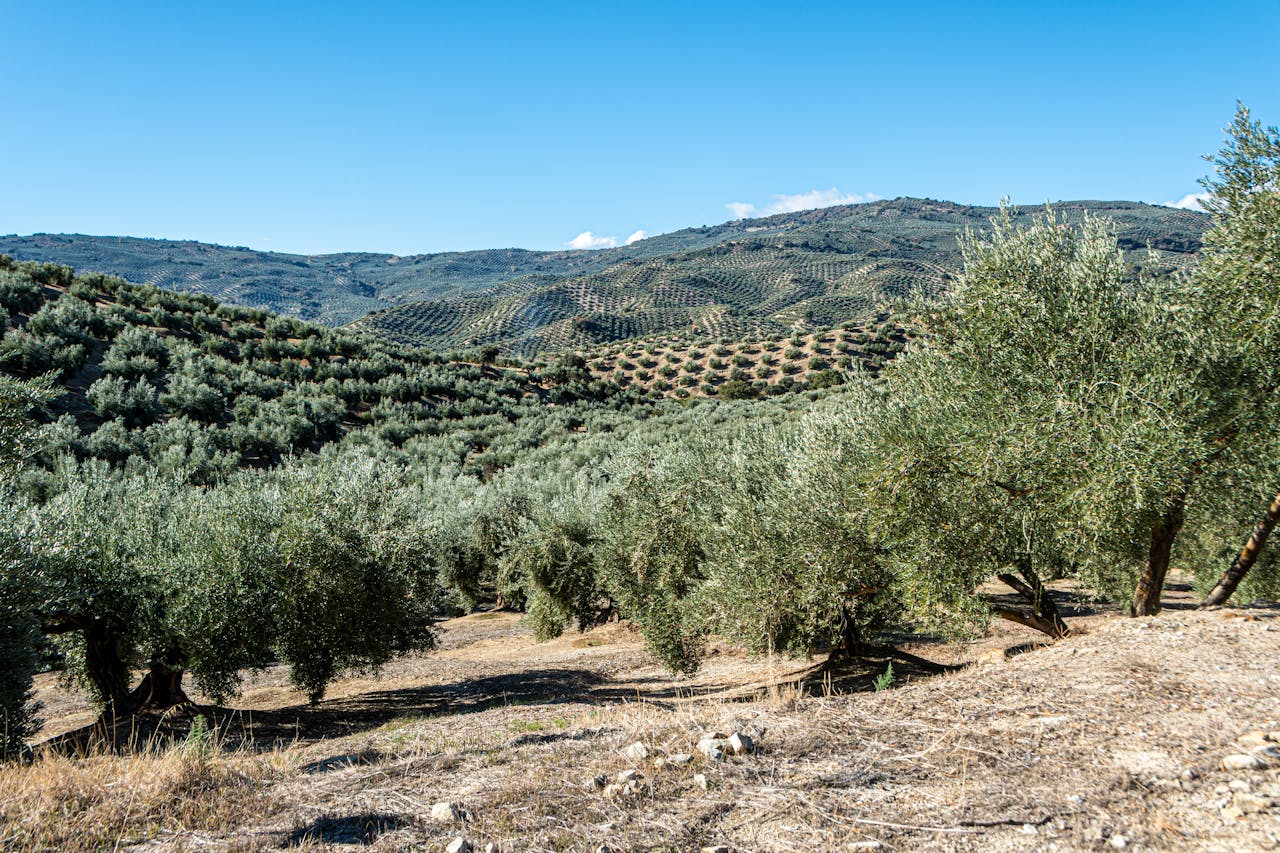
[350, 829]
[258, 729]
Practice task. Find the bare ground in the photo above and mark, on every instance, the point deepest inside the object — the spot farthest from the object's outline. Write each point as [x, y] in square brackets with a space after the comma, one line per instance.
[1114, 734]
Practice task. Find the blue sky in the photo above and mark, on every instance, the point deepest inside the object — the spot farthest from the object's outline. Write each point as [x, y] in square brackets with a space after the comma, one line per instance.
[420, 127]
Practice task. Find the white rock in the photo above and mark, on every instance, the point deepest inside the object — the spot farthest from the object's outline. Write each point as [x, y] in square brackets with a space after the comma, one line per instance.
[659, 763]
[701, 781]
[1254, 739]
[597, 782]
[1119, 842]
[1029, 829]
[679, 759]
[713, 748]
[613, 790]
[459, 845]
[492, 848]
[1240, 785]
[1243, 761]
[638, 751]
[1252, 804]
[740, 744]
[716, 848]
[446, 812]
[1269, 754]
[627, 776]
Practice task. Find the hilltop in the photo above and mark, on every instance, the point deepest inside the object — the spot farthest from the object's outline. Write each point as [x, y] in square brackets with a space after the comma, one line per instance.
[767, 276]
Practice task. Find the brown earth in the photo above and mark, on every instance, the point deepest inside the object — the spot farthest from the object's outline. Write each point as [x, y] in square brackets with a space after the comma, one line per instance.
[1114, 734]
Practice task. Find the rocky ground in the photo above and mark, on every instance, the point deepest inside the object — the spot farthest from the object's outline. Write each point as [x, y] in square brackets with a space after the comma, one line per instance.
[1148, 734]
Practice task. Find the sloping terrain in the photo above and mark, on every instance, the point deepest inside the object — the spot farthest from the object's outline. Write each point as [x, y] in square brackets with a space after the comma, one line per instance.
[754, 276]
[1113, 738]
[764, 277]
[683, 367]
[209, 387]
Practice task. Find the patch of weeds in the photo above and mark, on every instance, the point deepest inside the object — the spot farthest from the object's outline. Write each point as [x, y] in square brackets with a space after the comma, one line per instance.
[519, 726]
[885, 679]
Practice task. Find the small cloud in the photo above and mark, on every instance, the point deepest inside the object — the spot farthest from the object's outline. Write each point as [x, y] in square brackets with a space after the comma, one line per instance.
[1190, 201]
[635, 237]
[587, 240]
[810, 200]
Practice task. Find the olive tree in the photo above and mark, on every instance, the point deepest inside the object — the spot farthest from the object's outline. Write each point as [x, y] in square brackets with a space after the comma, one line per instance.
[319, 565]
[788, 563]
[1238, 287]
[19, 629]
[1055, 418]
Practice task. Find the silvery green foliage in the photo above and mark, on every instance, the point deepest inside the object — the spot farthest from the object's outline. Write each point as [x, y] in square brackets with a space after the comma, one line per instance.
[1233, 300]
[19, 629]
[787, 561]
[1057, 409]
[324, 565]
[19, 436]
[19, 634]
[350, 550]
[1035, 420]
[652, 557]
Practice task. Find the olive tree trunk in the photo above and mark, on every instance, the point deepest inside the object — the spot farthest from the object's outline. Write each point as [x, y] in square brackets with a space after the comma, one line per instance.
[1043, 614]
[1244, 561]
[106, 669]
[1146, 596]
[161, 687]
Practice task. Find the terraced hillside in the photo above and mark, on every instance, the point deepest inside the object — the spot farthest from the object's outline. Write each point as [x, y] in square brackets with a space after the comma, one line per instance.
[762, 278]
[684, 366]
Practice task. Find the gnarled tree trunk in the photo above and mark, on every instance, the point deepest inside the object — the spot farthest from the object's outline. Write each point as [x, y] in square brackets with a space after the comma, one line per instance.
[1244, 561]
[1146, 596]
[106, 669]
[161, 687]
[1043, 615]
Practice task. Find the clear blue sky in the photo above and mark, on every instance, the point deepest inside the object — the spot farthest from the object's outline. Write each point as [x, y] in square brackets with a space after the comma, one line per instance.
[417, 127]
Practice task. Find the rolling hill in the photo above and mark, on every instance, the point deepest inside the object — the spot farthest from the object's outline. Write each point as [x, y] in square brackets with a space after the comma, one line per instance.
[770, 276]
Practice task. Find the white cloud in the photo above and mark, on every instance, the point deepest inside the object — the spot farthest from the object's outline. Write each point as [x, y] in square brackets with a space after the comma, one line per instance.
[587, 240]
[1191, 201]
[636, 236]
[798, 201]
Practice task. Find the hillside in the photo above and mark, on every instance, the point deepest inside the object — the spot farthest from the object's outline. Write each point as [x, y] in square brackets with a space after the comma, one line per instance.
[205, 388]
[763, 277]
[766, 276]
[683, 366]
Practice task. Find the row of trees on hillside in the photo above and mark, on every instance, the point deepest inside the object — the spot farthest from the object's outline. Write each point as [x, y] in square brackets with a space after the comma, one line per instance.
[1060, 416]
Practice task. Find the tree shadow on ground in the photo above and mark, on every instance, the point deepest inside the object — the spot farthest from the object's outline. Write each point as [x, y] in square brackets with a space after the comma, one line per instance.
[349, 829]
[338, 717]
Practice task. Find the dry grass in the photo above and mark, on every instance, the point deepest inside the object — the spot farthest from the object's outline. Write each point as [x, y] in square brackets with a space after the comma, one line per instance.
[1118, 730]
[106, 800]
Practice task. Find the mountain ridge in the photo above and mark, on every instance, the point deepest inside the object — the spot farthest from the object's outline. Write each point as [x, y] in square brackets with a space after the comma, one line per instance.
[766, 275]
